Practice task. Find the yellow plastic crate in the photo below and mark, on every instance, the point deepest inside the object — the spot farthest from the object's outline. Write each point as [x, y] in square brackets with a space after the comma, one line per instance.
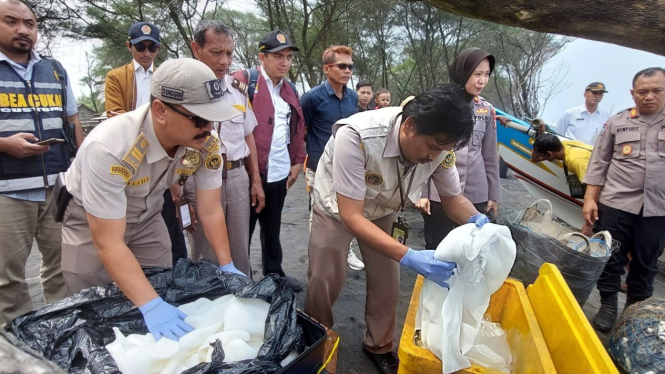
[510, 307]
[572, 342]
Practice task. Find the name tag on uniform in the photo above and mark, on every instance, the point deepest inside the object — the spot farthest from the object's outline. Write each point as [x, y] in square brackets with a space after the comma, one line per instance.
[184, 214]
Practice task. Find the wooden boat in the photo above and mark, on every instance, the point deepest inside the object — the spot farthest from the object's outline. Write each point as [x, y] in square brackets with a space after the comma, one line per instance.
[543, 180]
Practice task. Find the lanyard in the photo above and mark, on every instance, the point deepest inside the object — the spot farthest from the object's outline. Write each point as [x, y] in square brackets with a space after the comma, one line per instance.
[408, 188]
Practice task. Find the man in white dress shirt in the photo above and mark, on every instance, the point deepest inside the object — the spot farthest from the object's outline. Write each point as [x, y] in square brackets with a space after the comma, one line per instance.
[585, 122]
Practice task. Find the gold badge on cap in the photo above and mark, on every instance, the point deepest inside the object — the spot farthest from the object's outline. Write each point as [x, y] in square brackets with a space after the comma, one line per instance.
[146, 30]
[373, 179]
[449, 160]
[281, 38]
[627, 149]
[192, 158]
[213, 162]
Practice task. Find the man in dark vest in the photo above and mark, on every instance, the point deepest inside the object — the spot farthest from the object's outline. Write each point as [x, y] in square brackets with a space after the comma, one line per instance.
[279, 139]
[33, 151]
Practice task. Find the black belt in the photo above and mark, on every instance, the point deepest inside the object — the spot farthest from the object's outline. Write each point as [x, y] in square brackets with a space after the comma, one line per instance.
[230, 165]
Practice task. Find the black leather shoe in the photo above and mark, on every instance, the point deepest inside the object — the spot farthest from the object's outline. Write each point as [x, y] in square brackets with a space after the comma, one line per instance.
[295, 284]
[388, 363]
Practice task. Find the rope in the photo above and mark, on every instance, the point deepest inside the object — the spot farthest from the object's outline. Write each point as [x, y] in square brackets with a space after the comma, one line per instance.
[330, 356]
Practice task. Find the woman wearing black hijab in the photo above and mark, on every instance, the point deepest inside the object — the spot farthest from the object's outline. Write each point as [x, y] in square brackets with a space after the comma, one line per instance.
[477, 163]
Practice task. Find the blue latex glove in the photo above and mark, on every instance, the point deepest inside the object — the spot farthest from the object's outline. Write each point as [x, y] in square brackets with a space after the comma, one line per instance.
[424, 263]
[479, 219]
[164, 319]
[230, 268]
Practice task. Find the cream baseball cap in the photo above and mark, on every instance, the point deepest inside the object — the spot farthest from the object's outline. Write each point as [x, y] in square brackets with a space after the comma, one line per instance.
[192, 84]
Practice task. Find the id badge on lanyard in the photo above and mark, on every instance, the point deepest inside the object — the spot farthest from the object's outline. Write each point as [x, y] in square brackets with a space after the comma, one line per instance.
[400, 230]
[192, 159]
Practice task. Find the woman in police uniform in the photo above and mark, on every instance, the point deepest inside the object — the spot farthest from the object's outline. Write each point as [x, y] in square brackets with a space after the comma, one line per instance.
[478, 163]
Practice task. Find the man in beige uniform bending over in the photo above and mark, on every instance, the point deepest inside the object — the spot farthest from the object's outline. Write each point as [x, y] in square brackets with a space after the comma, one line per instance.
[374, 162]
[112, 226]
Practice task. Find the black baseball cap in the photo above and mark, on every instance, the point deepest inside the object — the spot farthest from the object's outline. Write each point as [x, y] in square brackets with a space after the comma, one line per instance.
[141, 31]
[276, 41]
[596, 87]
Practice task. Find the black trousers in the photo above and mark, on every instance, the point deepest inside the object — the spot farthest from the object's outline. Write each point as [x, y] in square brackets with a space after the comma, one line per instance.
[270, 220]
[438, 224]
[178, 246]
[643, 238]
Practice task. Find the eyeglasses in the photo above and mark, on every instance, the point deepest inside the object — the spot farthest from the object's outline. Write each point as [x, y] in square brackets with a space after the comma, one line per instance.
[343, 66]
[140, 47]
[198, 121]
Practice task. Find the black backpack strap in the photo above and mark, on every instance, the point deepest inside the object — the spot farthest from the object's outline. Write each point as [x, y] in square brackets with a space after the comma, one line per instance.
[252, 81]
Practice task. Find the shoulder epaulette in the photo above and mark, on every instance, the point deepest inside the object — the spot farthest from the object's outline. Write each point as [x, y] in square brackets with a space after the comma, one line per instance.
[137, 152]
[634, 113]
[241, 86]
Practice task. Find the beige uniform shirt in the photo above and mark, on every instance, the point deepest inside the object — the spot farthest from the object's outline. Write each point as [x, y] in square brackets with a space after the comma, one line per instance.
[628, 160]
[362, 161]
[121, 170]
[232, 133]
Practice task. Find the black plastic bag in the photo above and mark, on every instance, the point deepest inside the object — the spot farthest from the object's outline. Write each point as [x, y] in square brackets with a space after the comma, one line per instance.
[74, 331]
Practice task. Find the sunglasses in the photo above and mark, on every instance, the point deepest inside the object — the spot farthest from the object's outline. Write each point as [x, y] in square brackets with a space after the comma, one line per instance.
[140, 47]
[343, 66]
[198, 121]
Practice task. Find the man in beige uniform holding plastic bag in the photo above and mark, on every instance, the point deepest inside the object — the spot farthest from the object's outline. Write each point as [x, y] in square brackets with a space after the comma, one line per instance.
[375, 162]
[112, 226]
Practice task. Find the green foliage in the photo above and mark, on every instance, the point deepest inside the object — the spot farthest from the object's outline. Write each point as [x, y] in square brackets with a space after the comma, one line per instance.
[404, 46]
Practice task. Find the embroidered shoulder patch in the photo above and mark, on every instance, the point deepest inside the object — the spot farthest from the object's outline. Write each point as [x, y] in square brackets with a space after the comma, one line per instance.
[135, 155]
[604, 129]
[373, 179]
[121, 171]
[213, 162]
[139, 182]
[449, 160]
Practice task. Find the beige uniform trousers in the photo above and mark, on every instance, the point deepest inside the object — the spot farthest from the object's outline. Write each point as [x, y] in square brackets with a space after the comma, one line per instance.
[328, 249]
[21, 221]
[236, 204]
[148, 240]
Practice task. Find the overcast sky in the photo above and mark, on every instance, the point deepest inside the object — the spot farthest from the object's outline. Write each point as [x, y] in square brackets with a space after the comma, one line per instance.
[587, 61]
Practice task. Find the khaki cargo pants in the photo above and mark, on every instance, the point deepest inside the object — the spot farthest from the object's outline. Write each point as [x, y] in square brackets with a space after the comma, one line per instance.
[21, 222]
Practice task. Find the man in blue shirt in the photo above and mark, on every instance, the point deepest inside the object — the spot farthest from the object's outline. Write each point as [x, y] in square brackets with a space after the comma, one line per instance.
[324, 105]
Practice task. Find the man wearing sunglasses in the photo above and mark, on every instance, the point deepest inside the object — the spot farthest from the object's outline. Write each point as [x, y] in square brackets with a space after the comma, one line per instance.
[324, 105]
[128, 87]
[112, 225]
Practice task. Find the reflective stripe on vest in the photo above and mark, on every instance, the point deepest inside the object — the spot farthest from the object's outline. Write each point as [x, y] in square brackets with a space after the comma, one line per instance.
[34, 107]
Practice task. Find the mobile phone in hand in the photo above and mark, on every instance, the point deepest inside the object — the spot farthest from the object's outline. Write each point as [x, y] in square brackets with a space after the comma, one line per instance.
[50, 141]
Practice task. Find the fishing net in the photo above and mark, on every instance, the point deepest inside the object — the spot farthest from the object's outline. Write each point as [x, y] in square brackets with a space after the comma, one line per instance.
[637, 342]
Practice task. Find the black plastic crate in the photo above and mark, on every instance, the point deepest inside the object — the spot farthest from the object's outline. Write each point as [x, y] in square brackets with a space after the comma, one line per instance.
[311, 360]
